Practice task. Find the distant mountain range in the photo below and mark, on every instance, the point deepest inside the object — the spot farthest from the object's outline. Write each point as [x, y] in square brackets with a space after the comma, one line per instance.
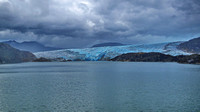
[108, 44]
[30, 46]
[169, 52]
[9, 54]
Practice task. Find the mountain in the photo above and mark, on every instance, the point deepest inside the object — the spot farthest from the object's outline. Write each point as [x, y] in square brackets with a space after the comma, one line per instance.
[192, 46]
[30, 46]
[9, 54]
[107, 53]
[107, 44]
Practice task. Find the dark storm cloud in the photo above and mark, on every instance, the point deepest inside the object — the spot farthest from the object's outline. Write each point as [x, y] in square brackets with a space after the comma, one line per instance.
[93, 21]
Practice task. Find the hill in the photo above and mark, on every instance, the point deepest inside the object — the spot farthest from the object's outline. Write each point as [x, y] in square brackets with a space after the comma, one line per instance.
[158, 57]
[145, 57]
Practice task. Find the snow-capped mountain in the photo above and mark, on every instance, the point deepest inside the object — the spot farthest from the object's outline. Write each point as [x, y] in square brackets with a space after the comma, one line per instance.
[104, 53]
[192, 46]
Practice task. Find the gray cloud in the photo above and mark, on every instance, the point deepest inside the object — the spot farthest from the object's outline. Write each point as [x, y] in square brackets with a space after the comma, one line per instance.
[80, 23]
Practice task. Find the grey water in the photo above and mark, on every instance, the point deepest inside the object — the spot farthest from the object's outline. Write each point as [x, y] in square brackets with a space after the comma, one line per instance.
[99, 87]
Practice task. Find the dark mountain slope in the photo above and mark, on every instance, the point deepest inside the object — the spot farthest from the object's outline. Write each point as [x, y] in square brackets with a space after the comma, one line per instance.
[145, 57]
[158, 57]
[9, 54]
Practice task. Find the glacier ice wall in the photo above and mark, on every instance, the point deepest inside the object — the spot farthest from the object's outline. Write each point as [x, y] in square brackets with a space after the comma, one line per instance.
[103, 53]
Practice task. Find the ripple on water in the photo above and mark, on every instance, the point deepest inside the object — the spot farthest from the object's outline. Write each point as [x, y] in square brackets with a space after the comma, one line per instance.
[99, 87]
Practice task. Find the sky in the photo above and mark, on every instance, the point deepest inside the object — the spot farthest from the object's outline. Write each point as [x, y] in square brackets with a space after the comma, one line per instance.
[83, 23]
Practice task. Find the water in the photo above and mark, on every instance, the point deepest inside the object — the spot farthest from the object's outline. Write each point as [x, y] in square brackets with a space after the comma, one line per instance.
[99, 87]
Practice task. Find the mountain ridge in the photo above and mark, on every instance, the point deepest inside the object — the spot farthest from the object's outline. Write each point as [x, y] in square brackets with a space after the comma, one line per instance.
[31, 46]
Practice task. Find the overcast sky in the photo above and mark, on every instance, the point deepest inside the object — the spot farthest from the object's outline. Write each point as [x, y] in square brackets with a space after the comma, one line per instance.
[82, 23]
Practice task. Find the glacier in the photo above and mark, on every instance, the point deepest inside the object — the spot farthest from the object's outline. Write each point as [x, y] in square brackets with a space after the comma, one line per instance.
[104, 53]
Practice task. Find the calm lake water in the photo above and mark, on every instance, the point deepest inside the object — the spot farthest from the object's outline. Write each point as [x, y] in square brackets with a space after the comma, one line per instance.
[99, 87]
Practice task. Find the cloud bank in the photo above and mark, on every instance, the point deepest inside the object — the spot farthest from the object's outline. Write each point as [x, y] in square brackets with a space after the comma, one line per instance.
[81, 23]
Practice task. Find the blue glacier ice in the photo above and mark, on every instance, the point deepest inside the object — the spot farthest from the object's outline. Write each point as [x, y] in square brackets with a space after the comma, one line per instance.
[101, 53]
